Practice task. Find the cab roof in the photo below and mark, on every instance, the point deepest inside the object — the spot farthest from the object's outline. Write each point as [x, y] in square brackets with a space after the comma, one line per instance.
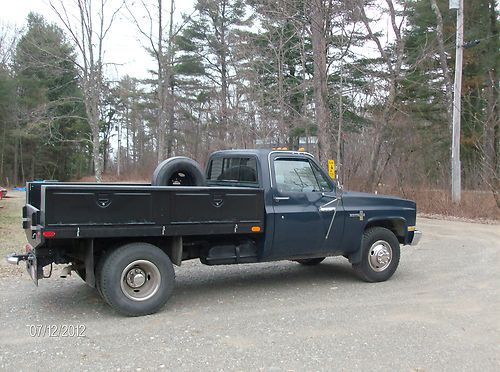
[257, 152]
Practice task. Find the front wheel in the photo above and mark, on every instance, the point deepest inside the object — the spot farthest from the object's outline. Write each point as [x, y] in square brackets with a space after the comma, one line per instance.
[136, 279]
[380, 255]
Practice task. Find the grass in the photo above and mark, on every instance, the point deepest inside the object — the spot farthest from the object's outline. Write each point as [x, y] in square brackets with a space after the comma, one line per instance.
[12, 237]
[475, 205]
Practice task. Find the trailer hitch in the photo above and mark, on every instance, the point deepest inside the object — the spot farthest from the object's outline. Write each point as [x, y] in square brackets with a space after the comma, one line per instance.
[15, 258]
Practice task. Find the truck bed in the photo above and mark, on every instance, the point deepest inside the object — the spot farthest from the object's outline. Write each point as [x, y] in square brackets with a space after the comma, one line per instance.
[73, 210]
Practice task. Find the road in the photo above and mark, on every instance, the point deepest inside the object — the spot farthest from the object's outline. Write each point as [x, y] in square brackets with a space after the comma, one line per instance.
[440, 311]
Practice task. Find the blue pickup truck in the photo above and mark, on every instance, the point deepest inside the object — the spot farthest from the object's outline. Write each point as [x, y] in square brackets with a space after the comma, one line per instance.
[249, 206]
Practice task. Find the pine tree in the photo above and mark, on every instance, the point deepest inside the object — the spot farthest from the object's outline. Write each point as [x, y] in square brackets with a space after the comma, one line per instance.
[52, 130]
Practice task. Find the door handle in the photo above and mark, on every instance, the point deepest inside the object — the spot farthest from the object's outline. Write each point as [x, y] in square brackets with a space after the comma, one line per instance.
[279, 198]
[327, 208]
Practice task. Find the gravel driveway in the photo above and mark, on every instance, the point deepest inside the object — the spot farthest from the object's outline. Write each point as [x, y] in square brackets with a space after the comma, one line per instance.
[440, 311]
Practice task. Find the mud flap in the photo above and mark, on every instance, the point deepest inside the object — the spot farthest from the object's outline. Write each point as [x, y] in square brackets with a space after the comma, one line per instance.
[32, 268]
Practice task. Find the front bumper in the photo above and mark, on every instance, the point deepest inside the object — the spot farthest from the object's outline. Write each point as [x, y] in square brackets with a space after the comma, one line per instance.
[417, 235]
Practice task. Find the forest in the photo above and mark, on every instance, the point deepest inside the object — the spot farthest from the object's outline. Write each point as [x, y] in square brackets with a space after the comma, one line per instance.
[366, 83]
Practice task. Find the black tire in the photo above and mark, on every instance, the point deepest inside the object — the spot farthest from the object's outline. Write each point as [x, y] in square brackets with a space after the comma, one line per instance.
[375, 241]
[178, 171]
[157, 272]
[310, 261]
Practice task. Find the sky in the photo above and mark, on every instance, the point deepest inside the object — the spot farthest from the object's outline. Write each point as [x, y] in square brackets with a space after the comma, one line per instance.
[122, 47]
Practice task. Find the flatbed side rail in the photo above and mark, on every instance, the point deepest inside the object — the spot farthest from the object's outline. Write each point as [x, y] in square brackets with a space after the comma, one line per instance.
[105, 211]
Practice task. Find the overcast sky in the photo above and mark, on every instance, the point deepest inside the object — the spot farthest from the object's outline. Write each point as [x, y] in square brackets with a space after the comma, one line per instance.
[123, 46]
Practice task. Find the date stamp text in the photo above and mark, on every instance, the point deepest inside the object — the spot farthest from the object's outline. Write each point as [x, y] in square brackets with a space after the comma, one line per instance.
[56, 330]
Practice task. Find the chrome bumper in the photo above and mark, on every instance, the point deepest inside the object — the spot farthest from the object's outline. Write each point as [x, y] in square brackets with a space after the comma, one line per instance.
[417, 235]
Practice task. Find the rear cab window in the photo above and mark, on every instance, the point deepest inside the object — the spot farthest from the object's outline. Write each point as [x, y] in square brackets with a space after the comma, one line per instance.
[233, 171]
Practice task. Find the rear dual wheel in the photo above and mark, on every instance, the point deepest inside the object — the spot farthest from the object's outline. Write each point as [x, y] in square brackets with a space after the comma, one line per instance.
[136, 279]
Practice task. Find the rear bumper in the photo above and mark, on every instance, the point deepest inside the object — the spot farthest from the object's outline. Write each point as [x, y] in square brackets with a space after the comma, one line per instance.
[417, 235]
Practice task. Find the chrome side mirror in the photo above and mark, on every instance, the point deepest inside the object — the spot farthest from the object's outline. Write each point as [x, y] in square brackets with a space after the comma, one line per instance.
[340, 187]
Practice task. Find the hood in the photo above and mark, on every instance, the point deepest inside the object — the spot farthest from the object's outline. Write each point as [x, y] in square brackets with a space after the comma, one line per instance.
[377, 199]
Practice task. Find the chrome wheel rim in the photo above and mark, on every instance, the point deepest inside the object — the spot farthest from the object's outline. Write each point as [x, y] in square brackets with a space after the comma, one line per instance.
[140, 280]
[380, 255]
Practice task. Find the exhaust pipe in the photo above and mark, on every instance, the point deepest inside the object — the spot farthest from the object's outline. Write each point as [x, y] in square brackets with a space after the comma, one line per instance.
[66, 271]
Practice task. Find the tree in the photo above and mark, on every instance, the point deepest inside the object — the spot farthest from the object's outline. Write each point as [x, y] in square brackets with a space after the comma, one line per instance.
[7, 101]
[88, 35]
[51, 130]
[430, 56]
[160, 44]
[212, 33]
[278, 70]
[392, 57]
[319, 18]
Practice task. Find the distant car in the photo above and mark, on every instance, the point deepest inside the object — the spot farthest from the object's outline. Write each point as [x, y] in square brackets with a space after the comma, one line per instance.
[3, 192]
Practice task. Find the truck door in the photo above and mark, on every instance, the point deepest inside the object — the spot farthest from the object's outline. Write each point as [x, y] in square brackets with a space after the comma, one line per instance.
[299, 192]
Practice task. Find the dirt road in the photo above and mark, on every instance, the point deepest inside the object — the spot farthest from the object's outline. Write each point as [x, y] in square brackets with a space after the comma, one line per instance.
[440, 311]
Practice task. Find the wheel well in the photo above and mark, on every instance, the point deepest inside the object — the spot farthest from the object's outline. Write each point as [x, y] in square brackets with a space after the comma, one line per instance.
[169, 245]
[397, 226]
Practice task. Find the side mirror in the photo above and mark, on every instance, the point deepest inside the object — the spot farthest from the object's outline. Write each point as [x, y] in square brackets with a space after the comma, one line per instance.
[340, 187]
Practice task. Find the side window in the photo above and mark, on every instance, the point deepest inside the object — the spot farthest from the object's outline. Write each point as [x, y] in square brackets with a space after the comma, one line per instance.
[295, 175]
[233, 169]
[324, 183]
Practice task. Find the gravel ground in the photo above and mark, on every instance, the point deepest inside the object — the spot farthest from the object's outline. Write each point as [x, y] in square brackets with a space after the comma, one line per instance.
[440, 311]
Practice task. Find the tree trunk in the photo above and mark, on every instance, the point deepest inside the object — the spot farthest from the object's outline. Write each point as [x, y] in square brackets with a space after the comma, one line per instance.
[15, 176]
[2, 154]
[96, 156]
[161, 88]
[317, 20]
[170, 81]
[492, 125]
[443, 62]
[224, 78]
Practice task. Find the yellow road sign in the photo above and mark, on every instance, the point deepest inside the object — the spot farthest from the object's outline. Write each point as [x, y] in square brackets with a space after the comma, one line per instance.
[331, 168]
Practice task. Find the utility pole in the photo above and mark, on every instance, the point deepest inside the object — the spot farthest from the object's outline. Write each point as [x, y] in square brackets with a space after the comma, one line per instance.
[457, 93]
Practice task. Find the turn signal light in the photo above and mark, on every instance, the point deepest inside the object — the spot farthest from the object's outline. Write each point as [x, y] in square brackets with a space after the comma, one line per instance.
[255, 228]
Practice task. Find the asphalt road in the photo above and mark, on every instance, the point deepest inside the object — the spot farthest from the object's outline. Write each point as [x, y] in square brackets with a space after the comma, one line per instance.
[440, 311]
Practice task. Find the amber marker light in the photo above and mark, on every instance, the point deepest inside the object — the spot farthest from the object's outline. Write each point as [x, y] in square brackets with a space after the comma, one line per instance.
[255, 229]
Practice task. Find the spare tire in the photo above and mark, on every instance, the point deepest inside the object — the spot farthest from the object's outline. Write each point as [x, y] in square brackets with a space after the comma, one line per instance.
[178, 171]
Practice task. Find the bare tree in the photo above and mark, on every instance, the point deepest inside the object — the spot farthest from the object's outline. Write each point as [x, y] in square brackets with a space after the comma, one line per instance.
[88, 30]
[393, 63]
[491, 142]
[160, 43]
